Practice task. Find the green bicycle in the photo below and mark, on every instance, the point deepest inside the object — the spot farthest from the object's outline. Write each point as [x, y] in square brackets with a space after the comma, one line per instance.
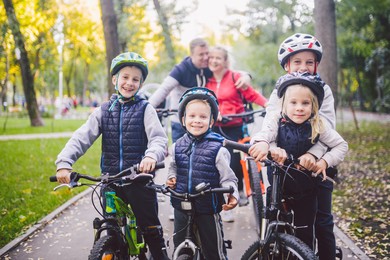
[116, 233]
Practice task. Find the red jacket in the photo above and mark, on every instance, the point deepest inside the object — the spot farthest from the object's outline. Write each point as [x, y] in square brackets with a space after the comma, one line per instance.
[231, 99]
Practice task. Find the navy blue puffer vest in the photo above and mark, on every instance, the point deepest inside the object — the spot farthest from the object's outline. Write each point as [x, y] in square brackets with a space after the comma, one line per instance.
[124, 140]
[294, 138]
[195, 160]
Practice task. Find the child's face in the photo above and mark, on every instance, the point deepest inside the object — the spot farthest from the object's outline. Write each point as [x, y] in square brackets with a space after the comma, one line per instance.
[217, 60]
[301, 62]
[197, 117]
[298, 103]
[129, 81]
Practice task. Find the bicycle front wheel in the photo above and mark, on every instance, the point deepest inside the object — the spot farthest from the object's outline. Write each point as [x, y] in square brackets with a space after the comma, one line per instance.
[257, 193]
[284, 247]
[107, 247]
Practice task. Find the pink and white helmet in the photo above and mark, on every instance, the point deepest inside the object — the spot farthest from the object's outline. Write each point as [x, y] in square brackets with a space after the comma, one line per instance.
[297, 43]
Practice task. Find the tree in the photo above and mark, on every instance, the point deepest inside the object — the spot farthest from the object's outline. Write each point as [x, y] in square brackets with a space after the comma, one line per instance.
[27, 77]
[110, 29]
[325, 28]
[165, 31]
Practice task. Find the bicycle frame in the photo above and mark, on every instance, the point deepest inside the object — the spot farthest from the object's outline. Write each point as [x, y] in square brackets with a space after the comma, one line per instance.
[187, 205]
[118, 218]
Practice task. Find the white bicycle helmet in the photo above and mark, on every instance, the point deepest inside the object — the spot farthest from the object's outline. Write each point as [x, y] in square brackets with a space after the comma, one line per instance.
[297, 43]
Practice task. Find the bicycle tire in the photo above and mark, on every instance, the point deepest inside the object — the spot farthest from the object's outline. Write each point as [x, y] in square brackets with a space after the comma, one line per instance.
[107, 247]
[257, 194]
[289, 247]
[185, 257]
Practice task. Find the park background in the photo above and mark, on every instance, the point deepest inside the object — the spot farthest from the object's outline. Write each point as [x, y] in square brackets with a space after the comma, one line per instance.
[55, 51]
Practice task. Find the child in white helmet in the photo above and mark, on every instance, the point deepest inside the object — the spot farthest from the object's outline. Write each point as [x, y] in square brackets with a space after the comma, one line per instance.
[302, 53]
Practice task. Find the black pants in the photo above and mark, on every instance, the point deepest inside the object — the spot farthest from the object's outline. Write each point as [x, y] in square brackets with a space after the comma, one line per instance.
[145, 207]
[208, 229]
[233, 133]
[324, 222]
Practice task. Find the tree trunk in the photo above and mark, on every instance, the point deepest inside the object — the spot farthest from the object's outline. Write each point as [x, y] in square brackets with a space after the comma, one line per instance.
[325, 30]
[27, 78]
[110, 29]
[166, 32]
[85, 83]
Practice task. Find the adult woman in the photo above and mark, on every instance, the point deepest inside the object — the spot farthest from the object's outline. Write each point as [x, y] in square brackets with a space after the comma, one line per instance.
[230, 101]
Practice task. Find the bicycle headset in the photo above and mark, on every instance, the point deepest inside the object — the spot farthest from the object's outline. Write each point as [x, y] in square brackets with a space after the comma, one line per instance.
[313, 82]
[199, 93]
[297, 43]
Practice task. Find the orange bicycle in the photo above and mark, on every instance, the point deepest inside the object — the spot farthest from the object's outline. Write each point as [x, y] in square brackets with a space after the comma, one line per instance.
[254, 187]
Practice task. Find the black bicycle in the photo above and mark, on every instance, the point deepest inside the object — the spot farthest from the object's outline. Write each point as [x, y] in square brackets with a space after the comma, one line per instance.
[117, 235]
[277, 238]
[188, 249]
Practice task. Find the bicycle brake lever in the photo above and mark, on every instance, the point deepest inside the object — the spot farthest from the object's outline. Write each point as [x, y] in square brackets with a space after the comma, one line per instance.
[70, 185]
[313, 174]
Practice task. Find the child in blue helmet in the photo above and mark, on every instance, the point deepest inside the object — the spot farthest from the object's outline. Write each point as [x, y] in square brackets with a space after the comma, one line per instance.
[131, 133]
[199, 157]
[295, 132]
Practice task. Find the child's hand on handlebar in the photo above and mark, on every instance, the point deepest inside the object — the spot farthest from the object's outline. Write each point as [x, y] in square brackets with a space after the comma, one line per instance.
[63, 176]
[171, 182]
[308, 161]
[231, 203]
[147, 165]
[259, 151]
[321, 167]
[278, 154]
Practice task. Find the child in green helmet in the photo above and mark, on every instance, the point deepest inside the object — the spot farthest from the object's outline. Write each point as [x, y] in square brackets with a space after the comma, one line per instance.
[131, 133]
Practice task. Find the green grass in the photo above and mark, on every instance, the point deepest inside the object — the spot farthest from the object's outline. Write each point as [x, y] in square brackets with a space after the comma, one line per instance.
[12, 125]
[26, 195]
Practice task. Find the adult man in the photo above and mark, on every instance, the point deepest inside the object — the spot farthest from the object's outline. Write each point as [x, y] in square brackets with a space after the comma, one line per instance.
[191, 72]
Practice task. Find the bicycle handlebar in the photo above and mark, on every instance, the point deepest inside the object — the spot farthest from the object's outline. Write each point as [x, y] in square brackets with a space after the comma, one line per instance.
[235, 145]
[290, 159]
[123, 175]
[165, 112]
[229, 117]
[205, 190]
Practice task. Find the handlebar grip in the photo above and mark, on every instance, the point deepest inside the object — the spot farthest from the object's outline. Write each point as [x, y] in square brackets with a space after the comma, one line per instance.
[54, 177]
[223, 190]
[160, 165]
[235, 145]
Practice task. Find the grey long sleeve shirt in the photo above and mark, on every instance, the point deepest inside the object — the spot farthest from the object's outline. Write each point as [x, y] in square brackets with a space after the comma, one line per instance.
[86, 135]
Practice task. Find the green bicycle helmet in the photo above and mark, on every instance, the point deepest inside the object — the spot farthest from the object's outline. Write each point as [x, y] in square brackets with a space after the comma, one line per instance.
[313, 82]
[129, 59]
[199, 93]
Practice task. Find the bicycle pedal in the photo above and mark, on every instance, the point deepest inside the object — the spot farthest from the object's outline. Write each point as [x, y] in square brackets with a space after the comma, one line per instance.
[339, 253]
[228, 244]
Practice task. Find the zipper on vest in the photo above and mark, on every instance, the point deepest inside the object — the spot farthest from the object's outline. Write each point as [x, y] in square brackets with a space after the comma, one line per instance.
[120, 138]
[190, 168]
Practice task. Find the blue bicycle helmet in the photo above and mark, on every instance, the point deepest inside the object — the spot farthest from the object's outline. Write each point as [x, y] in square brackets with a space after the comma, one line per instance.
[199, 93]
